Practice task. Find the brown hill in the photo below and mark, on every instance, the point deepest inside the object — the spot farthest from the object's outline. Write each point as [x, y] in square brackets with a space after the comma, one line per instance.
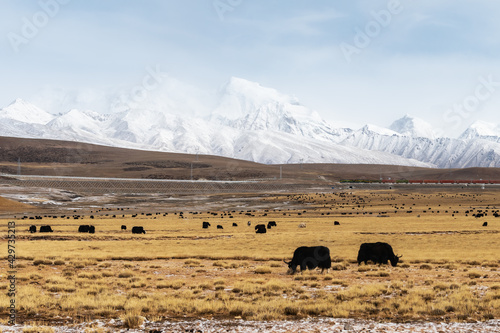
[63, 158]
[11, 206]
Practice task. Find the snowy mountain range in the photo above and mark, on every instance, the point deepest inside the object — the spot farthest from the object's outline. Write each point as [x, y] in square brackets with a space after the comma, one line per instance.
[259, 124]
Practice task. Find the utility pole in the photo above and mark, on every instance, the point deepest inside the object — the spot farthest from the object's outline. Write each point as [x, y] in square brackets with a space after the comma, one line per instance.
[18, 166]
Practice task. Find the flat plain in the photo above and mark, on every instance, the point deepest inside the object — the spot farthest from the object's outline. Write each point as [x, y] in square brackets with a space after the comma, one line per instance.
[449, 269]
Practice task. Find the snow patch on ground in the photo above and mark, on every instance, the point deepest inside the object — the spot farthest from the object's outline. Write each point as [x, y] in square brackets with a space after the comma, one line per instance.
[282, 326]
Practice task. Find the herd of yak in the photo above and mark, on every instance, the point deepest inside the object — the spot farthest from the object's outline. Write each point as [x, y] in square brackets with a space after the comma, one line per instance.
[85, 228]
[304, 257]
[311, 257]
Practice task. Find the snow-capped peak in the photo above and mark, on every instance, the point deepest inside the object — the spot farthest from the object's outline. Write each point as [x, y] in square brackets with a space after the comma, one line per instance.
[76, 119]
[374, 129]
[239, 97]
[483, 130]
[250, 89]
[248, 106]
[26, 112]
[412, 126]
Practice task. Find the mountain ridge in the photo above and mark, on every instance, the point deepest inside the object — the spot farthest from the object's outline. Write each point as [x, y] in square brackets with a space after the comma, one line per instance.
[259, 124]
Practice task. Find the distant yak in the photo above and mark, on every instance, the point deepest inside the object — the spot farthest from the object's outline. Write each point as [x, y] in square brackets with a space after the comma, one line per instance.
[378, 253]
[84, 228]
[138, 230]
[46, 228]
[310, 257]
[260, 229]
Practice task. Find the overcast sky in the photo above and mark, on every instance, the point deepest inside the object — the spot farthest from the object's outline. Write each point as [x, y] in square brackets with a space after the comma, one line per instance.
[364, 61]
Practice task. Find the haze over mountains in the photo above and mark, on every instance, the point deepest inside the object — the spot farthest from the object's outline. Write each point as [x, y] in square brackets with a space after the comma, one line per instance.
[258, 124]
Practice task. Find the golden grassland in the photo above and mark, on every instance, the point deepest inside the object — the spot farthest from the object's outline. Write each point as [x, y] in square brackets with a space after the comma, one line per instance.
[449, 269]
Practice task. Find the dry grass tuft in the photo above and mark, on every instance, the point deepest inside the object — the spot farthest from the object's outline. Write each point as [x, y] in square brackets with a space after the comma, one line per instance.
[132, 320]
[37, 262]
[126, 274]
[339, 267]
[263, 270]
[192, 263]
[474, 274]
[175, 284]
[426, 266]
